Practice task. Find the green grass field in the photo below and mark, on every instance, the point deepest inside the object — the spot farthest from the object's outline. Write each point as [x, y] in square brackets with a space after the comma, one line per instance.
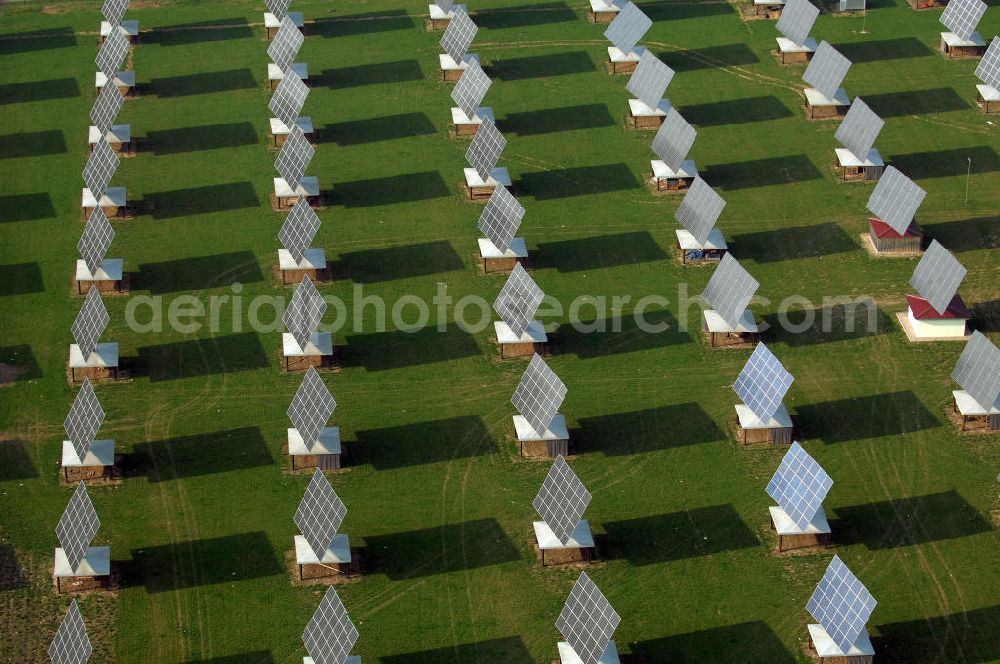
[439, 503]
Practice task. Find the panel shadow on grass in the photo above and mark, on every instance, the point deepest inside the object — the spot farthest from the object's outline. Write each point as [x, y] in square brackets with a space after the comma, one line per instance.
[736, 111]
[986, 316]
[12, 575]
[26, 207]
[15, 463]
[440, 549]
[709, 57]
[670, 10]
[424, 442]
[369, 266]
[746, 642]
[772, 171]
[32, 144]
[380, 73]
[183, 34]
[205, 562]
[359, 24]
[650, 540]
[18, 363]
[37, 40]
[391, 190]
[554, 120]
[916, 102]
[968, 637]
[197, 139]
[55, 88]
[524, 16]
[200, 200]
[381, 351]
[541, 66]
[201, 357]
[201, 454]
[859, 418]
[21, 279]
[838, 322]
[891, 524]
[579, 181]
[793, 243]
[602, 251]
[194, 274]
[880, 50]
[255, 657]
[201, 84]
[966, 234]
[503, 649]
[613, 336]
[374, 130]
[946, 163]
[650, 430]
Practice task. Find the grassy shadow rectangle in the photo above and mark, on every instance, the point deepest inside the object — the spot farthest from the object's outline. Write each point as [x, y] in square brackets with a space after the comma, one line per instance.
[201, 357]
[381, 351]
[201, 454]
[196, 273]
[203, 84]
[197, 139]
[56, 88]
[26, 207]
[870, 416]
[424, 442]
[32, 144]
[649, 430]
[21, 279]
[578, 181]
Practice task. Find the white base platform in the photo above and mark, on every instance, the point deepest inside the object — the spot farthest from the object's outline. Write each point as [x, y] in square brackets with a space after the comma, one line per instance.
[320, 343]
[458, 116]
[272, 22]
[975, 40]
[816, 98]
[786, 45]
[113, 197]
[988, 92]
[557, 429]
[825, 647]
[687, 242]
[102, 453]
[308, 186]
[111, 269]
[970, 407]
[639, 109]
[616, 55]
[105, 356]
[130, 28]
[117, 134]
[278, 128]
[124, 79]
[438, 14]
[274, 72]
[517, 249]
[534, 334]
[312, 259]
[568, 656]
[581, 538]
[604, 7]
[781, 419]
[96, 563]
[663, 172]
[328, 443]
[783, 524]
[499, 177]
[339, 551]
[847, 159]
[448, 63]
[717, 324]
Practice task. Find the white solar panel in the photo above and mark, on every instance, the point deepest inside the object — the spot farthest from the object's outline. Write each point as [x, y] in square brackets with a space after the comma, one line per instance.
[826, 70]
[114, 10]
[799, 486]
[628, 28]
[288, 98]
[841, 604]
[730, 290]
[501, 218]
[938, 276]
[278, 7]
[518, 300]
[90, 322]
[650, 79]
[539, 395]
[796, 21]
[458, 35]
[763, 383]
[71, 645]
[587, 620]
[83, 420]
[311, 408]
[896, 199]
[561, 500]
[700, 209]
[860, 128]
[486, 147]
[97, 237]
[471, 89]
[112, 54]
[673, 140]
[299, 229]
[77, 527]
[445, 5]
[304, 312]
[100, 168]
[286, 44]
[320, 513]
[294, 157]
[962, 16]
[106, 108]
[330, 634]
[988, 69]
[978, 370]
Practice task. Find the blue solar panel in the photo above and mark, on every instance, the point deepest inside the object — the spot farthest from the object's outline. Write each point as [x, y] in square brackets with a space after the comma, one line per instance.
[799, 486]
[841, 604]
[763, 383]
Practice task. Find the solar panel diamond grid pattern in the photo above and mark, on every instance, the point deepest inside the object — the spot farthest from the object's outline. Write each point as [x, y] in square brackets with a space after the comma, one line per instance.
[304, 312]
[796, 21]
[700, 209]
[841, 604]
[673, 140]
[826, 70]
[445, 5]
[538, 395]
[299, 229]
[650, 79]
[896, 199]
[114, 10]
[962, 16]
[860, 128]
[988, 69]
[311, 408]
[458, 35]
[294, 157]
[288, 98]
[100, 168]
[286, 44]
[278, 7]
[84, 419]
[978, 370]
[485, 149]
[77, 526]
[799, 486]
[112, 53]
[97, 237]
[320, 513]
[730, 290]
[561, 500]
[937, 276]
[628, 28]
[471, 89]
[90, 322]
[518, 300]
[587, 620]
[330, 634]
[106, 108]
[71, 645]
[763, 383]
[501, 218]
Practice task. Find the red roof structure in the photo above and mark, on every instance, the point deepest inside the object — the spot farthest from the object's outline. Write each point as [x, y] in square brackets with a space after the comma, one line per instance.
[882, 229]
[922, 309]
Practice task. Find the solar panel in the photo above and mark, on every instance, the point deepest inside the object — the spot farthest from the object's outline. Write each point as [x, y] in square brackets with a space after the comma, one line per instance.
[826, 70]
[278, 7]
[330, 634]
[538, 395]
[962, 16]
[294, 157]
[628, 28]
[304, 312]
[673, 140]
[978, 370]
[988, 70]
[937, 276]
[587, 620]
[796, 21]
[112, 54]
[458, 35]
[90, 322]
[320, 514]
[650, 79]
[77, 526]
[470, 90]
[799, 486]
[730, 290]
[841, 604]
[100, 168]
[445, 5]
[71, 645]
[97, 237]
[311, 408]
[700, 209]
[895, 199]
[763, 383]
[518, 300]
[114, 10]
[299, 229]
[501, 218]
[106, 108]
[860, 128]
[485, 149]
[561, 500]
[84, 419]
[286, 44]
[288, 98]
